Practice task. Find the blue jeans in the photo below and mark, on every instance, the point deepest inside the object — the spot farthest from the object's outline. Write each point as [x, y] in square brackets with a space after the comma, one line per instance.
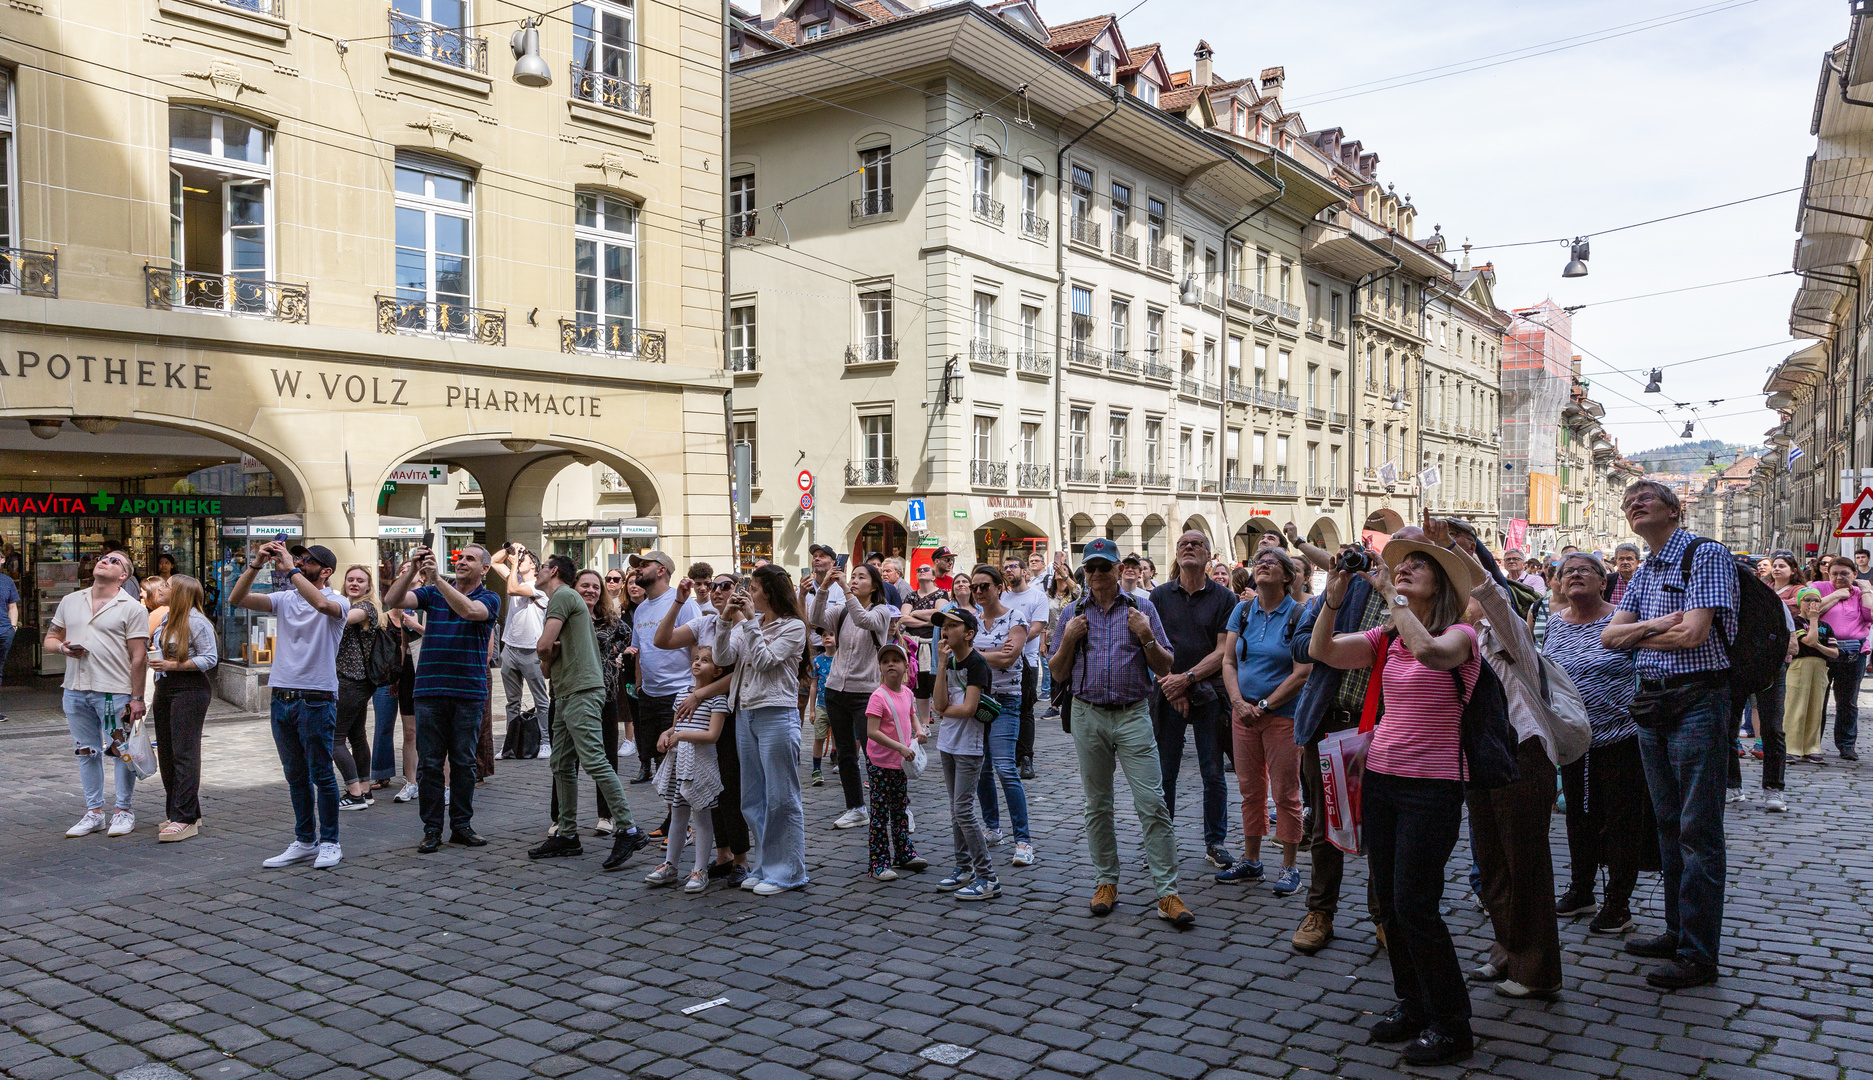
[767, 740]
[1686, 761]
[447, 728]
[999, 743]
[87, 713]
[384, 745]
[302, 732]
[1207, 720]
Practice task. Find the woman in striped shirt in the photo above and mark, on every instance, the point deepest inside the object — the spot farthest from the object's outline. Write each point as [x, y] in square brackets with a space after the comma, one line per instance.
[1412, 798]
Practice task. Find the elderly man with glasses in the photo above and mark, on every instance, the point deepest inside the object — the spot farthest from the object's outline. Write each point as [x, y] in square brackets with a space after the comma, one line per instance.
[1110, 647]
[103, 634]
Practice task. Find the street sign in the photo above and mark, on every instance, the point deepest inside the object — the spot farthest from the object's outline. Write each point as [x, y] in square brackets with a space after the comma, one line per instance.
[419, 474]
[914, 512]
[959, 513]
[806, 480]
[1856, 518]
[806, 500]
[806, 515]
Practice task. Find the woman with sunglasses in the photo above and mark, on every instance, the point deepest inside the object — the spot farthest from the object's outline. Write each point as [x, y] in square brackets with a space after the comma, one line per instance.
[860, 627]
[1000, 638]
[919, 605]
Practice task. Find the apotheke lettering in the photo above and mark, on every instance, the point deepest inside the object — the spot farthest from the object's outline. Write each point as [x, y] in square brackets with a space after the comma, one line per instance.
[108, 370]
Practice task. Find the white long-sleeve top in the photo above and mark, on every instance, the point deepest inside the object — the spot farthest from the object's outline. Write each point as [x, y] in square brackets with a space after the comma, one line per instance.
[765, 652]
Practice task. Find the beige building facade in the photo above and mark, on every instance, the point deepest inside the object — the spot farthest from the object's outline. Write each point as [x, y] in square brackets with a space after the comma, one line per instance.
[266, 257]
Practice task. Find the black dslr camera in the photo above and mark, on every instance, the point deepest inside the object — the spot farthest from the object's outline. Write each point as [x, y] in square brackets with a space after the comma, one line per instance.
[1357, 560]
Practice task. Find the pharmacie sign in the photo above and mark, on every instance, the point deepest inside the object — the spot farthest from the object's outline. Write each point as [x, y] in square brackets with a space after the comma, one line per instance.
[109, 504]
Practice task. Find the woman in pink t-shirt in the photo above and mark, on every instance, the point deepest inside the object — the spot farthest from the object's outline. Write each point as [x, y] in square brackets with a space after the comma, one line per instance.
[1412, 793]
[891, 714]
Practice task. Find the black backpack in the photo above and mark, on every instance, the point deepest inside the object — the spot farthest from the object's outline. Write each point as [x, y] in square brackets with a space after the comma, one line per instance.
[523, 736]
[1287, 636]
[383, 661]
[1487, 742]
[1761, 644]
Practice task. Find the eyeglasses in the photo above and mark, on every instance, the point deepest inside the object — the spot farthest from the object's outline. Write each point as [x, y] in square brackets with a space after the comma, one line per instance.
[614, 581]
[1581, 571]
[1097, 567]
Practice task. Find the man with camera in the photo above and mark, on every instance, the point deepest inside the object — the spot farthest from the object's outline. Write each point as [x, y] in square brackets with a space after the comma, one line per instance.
[451, 686]
[1195, 612]
[304, 685]
[526, 614]
[1110, 647]
[103, 633]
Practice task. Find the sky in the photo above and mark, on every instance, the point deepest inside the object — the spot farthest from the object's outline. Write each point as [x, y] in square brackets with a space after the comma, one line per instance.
[1707, 109]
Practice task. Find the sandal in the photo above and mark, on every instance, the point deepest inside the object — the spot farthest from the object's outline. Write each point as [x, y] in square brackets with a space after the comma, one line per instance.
[173, 831]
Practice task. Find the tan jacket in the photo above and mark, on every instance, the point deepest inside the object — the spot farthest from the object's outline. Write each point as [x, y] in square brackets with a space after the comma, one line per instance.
[1509, 646]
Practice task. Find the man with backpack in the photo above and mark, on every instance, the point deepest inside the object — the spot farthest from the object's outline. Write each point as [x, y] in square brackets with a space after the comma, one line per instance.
[1679, 613]
[1109, 648]
[516, 568]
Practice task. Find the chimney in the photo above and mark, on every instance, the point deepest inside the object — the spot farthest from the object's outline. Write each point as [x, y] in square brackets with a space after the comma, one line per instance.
[1272, 78]
[1202, 73]
[770, 11]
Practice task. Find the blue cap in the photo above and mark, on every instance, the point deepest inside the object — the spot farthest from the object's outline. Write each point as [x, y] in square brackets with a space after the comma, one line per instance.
[1101, 548]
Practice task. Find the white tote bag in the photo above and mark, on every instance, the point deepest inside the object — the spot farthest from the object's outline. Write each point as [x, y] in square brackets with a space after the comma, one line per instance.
[919, 759]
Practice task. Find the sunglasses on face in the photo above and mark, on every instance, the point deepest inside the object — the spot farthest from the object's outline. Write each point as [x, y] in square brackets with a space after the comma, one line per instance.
[614, 581]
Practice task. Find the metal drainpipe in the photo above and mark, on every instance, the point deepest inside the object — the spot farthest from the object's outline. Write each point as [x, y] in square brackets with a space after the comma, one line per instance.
[1060, 303]
[1352, 383]
[728, 396]
[1222, 407]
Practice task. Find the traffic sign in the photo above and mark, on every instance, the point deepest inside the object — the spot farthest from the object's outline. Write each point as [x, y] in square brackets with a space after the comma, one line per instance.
[806, 480]
[1856, 518]
[806, 500]
[914, 511]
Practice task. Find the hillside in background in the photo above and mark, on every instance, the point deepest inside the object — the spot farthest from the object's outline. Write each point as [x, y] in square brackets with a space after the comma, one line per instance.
[1691, 457]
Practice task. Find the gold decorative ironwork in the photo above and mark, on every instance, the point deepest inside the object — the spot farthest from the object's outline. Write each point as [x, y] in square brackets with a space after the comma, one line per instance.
[610, 91]
[441, 318]
[167, 289]
[31, 273]
[618, 339]
[449, 45]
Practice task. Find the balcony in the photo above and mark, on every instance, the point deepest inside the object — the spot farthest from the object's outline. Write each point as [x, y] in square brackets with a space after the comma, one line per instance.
[610, 91]
[29, 273]
[1286, 487]
[1151, 478]
[1287, 402]
[275, 8]
[1121, 478]
[988, 208]
[1371, 383]
[1260, 396]
[1151, 369]
[1187, 486]
[1033, 476]
[1336, 418]
[1337, 335]
[1240, 295]
[449, 45]
[1288, 312]
[871, 351]
[742, 361]
[1213, 299]
[441, 319]
[1031, 362]
[167, 290]
[1259, 486]
[871, 205]
[988, 473]
[1033, 225]
[1236, 485]
[987, 355]
[1315, 491]
[1189, 387]
[1212, 487]
[1339, 493]
[1158, 258]
[871, 472]
[1079, 352]
[1083, 231]
[742, 224]
[1121, 361]
[1079, 474]
[1237, 392]
[1316, 416]
[620, 340]
[1125, 247]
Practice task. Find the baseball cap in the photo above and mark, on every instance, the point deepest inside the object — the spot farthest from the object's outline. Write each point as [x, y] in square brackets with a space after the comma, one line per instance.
[658, 557]
[823, 549]
[1132, 559]
[893, 647]
[322, 555]
[1101, 548]
[957, 614]
[942, 553]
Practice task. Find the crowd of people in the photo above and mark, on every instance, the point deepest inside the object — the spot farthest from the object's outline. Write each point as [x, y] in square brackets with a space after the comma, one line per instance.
[1423, 682]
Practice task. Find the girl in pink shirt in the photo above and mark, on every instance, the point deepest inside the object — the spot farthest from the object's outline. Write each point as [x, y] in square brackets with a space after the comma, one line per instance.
[891, 714]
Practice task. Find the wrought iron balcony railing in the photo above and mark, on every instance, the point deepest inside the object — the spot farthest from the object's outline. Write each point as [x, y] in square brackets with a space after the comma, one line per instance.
[871, 472]
[1154, 479]
[988, 473]
[1288, 312]
[1260, 486]
[986, 207]
[1236, 485]
[1189, 386]
[451, 45]
[1210, 392]
[1121, 477]
[29, 273]
[617, 339]
[1285, 487]
[871, 351]
[871, 205]
[1240, 294]
[225, 294]
[610, 91]
[441, 318]
[1339, 493]
[1125, 247]
[1034, 225]
[1081, 353]
[1151, 368]
[1287, 402]
[1211, 487]
[1033, 362]
[1315, 491]
[1235, 391]
[743, 224]
[981, 352]
[1121, 360]
[1336, 418]
[743, 360]
[1316, 415]
[1078, 474]
[1158, 257]
[1188, 484]
[1033, 476]
[1083, 230]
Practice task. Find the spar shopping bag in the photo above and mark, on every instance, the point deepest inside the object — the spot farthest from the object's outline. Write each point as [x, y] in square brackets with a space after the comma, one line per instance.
[1342, 767]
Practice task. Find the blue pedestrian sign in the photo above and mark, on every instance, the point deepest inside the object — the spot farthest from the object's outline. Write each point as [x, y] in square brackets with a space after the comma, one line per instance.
[913, 512]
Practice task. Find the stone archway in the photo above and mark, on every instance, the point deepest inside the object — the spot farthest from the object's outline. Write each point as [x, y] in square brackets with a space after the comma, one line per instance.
[1324, 533]
[1151, 538]
[1384, 520]
[1249, 537]
[1201, 524]
[1119, 531]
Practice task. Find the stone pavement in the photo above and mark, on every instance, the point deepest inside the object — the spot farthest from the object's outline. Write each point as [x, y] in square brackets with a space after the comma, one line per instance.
[122, 958]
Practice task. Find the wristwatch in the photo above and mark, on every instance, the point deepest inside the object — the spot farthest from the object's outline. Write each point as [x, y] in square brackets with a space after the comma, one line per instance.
[1262, 704]
[1398, 600]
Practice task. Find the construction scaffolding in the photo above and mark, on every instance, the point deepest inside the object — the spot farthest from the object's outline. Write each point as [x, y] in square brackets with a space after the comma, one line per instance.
[1537, 377]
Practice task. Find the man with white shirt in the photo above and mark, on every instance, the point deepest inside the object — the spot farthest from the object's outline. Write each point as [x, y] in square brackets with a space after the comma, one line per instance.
[104, 634]
[304, 684]
[1029, 603]
[663, 675]
[526, 616]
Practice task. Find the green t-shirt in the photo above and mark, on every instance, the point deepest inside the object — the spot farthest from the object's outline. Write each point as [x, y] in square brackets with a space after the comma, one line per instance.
[576, 667]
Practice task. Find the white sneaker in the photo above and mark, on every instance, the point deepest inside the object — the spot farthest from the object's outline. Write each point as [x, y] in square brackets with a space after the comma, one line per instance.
[604, 827]
[122, 823]
[1024, 854]
[295, 852]
[329, 855]
[1774, 802]
[768, 888]
[852, 819]
[991, 837]
[90, 823]
[405, 793]
[1735, 795]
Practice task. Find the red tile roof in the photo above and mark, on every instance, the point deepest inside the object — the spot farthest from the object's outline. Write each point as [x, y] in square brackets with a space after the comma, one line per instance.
[1140, 56]
[1069, 36]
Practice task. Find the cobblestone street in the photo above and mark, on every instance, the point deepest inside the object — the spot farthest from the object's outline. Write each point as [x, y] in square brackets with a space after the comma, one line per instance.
[121, 957]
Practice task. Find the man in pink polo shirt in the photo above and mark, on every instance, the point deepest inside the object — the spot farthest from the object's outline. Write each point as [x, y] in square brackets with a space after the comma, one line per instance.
[1847, 607]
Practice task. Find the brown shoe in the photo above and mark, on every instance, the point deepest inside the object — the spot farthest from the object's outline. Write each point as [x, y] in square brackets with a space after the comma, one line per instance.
[1105, 898]
[1379, 931]
[1316, 930]
[1172, 909]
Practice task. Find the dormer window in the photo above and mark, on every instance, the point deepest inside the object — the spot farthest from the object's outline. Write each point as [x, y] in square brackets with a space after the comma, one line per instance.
[1147, 91]
[815, 31]
[1101, 63]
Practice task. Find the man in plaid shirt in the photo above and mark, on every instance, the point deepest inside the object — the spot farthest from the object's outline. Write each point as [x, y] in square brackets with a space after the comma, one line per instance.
[1678, 629]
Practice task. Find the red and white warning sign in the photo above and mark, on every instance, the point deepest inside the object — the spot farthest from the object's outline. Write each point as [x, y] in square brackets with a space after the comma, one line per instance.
[1856, 517]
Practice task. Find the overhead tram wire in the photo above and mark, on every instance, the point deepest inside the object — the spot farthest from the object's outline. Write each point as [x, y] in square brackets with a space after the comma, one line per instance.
[1687, 288]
